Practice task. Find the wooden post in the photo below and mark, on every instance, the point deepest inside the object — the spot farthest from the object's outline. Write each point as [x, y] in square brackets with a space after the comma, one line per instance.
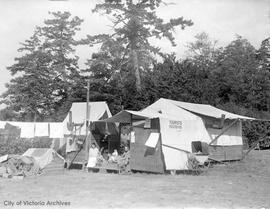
[35, 120]
[222, 132]
[108, 144]
[131, 120]
[222, 121]
[87, 121]
[120, 130]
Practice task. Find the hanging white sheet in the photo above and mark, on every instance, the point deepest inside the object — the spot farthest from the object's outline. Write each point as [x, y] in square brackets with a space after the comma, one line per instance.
[42, 129]
[56, 130]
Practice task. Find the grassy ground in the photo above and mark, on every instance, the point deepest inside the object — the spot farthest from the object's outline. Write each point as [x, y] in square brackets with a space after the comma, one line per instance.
[243, 184]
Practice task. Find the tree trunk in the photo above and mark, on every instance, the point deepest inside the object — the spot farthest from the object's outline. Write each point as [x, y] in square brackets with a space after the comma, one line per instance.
[136, 70]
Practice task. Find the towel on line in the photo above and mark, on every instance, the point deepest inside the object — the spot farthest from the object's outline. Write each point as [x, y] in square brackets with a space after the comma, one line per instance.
[42, 129]
[56, 130]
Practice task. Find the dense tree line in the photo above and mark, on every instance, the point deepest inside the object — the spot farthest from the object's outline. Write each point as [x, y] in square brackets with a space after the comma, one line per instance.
[47, 78]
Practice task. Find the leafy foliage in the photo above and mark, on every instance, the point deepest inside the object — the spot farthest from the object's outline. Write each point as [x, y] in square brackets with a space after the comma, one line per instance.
[134, 22]
[46, 79]
[47, 72]
[229, 78]
[264, 54]
[203, 51]
[21, 145]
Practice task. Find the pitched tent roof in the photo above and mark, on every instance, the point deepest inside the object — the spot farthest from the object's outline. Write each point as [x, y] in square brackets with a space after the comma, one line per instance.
[98, 110]
[166, 108]
[125, 116]
[169, 110]
[160, 109]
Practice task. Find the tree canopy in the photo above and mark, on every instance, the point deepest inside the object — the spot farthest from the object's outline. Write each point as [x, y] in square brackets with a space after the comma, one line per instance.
[47, 71]
[134, 23]
[46, 77]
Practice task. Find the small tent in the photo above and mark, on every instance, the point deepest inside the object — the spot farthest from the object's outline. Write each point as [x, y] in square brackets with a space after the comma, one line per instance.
[47, 159]
[166, 132]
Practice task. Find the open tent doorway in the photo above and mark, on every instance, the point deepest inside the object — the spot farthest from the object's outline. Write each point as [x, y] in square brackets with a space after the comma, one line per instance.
[106, 136]
[76, 130]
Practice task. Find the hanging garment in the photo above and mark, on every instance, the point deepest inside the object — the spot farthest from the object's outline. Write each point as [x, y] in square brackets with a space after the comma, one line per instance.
[42, 129]
[92, 160]
[27, 129]
[56, 130]
[2, 124]
[71, 144]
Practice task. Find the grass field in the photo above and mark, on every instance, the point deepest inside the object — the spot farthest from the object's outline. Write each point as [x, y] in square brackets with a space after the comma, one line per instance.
[243, 184]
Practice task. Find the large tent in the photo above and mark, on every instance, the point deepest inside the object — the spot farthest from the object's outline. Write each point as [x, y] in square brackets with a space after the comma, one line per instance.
[166, 132]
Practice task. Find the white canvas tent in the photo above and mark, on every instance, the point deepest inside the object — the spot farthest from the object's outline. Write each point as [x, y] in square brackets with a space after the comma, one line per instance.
[77, 115]
[183, 123]
[98, 110]
[77, 143]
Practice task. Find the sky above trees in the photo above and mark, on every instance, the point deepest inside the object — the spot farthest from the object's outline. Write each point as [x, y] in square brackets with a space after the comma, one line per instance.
[221, 19]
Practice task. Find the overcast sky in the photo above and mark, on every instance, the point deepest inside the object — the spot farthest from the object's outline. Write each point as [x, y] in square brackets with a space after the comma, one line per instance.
[221, 19]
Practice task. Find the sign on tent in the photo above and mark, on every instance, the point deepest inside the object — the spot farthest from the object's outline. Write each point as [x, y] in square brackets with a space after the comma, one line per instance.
[152, 140]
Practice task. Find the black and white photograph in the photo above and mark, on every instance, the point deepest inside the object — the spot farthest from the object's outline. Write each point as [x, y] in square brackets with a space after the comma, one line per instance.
[135, 104]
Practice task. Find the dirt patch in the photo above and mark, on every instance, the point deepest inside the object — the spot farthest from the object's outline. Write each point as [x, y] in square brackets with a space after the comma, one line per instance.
[243, 184]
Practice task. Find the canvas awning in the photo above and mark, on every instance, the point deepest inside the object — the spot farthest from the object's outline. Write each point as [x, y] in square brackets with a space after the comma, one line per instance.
[125, 116]
[208, 110]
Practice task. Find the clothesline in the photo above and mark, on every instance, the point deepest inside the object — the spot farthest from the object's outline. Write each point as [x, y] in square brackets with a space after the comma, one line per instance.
[38, 129]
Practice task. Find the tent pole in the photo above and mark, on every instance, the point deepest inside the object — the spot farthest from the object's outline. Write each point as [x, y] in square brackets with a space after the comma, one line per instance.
[119, 134]
[254, 144]
[222, 132]
[165, 145]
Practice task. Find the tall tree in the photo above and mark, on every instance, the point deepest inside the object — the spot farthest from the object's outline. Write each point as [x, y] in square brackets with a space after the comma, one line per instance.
[264, 54]
[203, 51]
[134, 23]
[47, 72]
[179, 80]
[238, 78]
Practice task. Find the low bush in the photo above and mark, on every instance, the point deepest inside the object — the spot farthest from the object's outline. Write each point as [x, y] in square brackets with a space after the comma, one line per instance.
[19, 146]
